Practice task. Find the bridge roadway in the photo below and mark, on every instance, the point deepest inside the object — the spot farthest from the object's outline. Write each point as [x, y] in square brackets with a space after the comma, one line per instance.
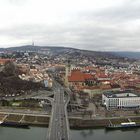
[59, 126]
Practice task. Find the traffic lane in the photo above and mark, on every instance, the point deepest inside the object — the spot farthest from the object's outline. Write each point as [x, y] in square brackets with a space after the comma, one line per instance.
[56, 120]
[63, 121]
[55, 126]
[59, 112]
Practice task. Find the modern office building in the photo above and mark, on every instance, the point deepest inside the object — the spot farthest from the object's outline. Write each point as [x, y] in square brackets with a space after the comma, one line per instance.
[121, 99]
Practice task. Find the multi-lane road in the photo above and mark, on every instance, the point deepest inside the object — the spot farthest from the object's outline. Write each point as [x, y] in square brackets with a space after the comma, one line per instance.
[59, 126]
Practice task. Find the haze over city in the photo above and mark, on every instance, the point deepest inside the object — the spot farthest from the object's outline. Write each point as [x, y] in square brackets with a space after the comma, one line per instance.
[105, 25]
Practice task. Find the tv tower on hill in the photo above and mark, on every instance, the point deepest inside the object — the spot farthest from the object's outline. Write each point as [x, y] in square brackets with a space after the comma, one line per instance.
[33, 43]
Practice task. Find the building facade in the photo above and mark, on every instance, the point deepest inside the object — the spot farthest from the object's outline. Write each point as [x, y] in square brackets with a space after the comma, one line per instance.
[125, 99]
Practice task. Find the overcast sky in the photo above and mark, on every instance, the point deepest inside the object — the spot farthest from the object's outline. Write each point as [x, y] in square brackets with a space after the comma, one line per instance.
[104, 25]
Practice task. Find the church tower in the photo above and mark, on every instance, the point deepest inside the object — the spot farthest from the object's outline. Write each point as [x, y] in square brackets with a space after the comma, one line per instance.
[67, 72]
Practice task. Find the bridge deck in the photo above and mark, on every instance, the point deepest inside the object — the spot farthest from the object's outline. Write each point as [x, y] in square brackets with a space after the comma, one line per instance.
[58, 128]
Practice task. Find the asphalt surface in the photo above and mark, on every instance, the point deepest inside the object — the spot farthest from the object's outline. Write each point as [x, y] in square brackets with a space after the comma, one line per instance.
[58, 128]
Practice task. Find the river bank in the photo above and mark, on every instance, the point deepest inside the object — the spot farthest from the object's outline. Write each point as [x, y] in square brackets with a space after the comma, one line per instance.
[75, 123]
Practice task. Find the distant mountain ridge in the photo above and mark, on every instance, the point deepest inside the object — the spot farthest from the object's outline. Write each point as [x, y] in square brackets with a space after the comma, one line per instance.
[56, 50]
[134, 55]
[29, 47]
[68, 50]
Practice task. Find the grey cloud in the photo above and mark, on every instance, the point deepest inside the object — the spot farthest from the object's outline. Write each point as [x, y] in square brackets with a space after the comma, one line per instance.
[129, 10]
[109, 32]
[94, 38]
[101, 30]
[17, 2]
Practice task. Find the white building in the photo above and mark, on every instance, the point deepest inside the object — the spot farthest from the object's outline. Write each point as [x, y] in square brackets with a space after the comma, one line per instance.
[121, 99]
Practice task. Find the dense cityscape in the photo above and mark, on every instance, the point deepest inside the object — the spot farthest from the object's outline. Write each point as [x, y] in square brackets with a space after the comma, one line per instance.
[65, 88]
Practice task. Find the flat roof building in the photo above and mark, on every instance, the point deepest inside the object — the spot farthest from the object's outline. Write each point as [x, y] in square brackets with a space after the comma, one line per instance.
[121, 99]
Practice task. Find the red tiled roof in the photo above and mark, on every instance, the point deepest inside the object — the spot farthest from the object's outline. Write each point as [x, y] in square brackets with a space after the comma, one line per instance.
[101, 75]
[87, 76]
[3, 61]
[78, 76]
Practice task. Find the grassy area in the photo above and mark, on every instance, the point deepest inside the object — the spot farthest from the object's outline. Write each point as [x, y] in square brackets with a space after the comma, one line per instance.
[22, 108]
[118, 121]
[2, 116]
[90, 123]
[29, 118]
[42, 119]
[14, 117]
[137, 120]
[28, 104]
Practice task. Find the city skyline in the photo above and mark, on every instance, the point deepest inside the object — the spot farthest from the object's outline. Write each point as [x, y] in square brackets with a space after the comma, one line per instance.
[95, 25]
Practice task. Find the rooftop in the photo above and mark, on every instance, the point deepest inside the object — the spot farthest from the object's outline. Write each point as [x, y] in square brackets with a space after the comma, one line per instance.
[78, 76]
[121, 94]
